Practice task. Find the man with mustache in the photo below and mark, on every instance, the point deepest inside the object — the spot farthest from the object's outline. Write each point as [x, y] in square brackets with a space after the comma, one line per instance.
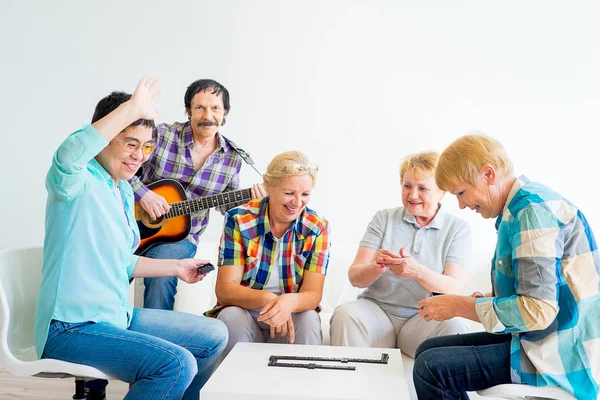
[197, 155]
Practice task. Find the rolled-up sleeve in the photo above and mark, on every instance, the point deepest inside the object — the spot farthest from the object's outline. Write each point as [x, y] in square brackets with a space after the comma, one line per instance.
[65, 176]
[535, 238]
[318, 260]
[231, 247]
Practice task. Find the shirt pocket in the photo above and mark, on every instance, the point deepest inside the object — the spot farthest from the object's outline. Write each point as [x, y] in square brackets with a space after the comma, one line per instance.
[252, 248]
[504, 266]
[299, 261]
[503, 277]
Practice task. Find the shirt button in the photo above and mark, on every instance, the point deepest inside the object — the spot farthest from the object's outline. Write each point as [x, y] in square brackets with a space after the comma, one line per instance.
[500, 262]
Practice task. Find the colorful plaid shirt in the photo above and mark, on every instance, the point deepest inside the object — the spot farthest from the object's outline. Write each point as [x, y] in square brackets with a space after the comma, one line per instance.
[546, 280]
[173, 159]
[247, 241]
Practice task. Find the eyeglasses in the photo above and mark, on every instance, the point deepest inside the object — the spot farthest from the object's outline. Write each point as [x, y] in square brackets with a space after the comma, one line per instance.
[133, 146]
[296, 168]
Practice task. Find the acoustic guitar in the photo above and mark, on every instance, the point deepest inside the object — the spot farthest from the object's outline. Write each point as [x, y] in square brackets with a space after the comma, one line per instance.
[176, 224]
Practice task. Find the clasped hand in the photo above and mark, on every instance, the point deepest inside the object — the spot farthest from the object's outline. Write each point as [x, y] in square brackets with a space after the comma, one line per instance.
[401, 264]
[278, 315]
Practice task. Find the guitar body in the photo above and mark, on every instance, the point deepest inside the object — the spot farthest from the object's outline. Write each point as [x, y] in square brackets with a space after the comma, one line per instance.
[176, 224]
[163, 230]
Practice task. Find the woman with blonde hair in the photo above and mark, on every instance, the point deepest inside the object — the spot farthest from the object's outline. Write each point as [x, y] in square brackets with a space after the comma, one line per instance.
[542, 315]
[406, 254]
[273, 259]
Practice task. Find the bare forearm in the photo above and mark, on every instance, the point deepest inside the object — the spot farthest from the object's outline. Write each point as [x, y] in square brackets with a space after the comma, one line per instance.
[465, 308]
[116, 121]
[363, 275]
[436, 282]
[307, 300]
[151, 267]
[237, 295]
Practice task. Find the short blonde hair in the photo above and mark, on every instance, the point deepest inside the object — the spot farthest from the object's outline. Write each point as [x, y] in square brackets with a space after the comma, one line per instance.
[462, 161]
[419, 163]
[290, 163]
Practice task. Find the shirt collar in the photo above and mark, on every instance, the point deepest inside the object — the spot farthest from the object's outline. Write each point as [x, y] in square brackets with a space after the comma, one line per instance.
[264, 213]
[519, 183]
[436, 223]
[109, 180]
[104, 173]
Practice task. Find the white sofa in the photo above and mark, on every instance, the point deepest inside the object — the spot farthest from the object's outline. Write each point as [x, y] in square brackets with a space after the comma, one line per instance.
[196, 299]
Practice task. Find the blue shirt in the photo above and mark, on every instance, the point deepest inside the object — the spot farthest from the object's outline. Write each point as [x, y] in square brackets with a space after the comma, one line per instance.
[546, 283]
[89, 243]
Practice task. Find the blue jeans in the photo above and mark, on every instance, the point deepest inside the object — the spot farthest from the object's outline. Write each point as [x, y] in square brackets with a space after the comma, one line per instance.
[446, 367]
[163, 354]
[160, 292]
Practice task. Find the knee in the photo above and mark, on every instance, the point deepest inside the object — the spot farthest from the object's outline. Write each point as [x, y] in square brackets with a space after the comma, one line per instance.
[425, 345]
[421, 368]
[220, 335]
[308, 328]
[212, 334]
[454, 326]
[237, 322]
[179, 365]
[308, 318]
[342, 315]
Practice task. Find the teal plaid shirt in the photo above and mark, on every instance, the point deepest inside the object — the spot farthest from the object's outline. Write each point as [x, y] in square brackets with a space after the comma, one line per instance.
[546, 283]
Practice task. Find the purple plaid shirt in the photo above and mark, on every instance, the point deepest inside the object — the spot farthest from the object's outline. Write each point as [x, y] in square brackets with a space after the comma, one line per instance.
[172, 159]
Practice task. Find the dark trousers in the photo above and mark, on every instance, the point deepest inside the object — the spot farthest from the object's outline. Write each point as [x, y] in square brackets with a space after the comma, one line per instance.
[446, 367]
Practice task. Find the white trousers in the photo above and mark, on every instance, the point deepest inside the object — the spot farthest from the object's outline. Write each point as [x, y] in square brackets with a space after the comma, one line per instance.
[243, 327]
[362, 323]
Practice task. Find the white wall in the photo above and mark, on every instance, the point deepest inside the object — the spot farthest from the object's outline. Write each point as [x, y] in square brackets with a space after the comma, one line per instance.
[355, 85]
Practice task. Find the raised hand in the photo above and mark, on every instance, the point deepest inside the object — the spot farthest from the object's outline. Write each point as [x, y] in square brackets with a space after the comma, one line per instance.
[401, 264]
[383, 257]
[145, 95]
[406, 266]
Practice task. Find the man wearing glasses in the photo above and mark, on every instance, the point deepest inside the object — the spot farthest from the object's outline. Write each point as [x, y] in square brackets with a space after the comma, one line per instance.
[195, 154]
[91, 234]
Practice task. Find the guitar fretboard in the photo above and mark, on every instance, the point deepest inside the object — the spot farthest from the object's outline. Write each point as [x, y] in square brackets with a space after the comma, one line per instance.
[204, 203]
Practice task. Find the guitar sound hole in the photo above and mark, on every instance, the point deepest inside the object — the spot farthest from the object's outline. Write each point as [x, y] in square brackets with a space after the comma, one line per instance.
[157, 220]
[152, 223]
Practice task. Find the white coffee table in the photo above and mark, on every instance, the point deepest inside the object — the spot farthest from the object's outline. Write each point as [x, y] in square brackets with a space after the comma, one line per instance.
[245, 374]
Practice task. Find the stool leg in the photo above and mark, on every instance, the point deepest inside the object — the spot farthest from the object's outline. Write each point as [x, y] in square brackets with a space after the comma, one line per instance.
[79, 389]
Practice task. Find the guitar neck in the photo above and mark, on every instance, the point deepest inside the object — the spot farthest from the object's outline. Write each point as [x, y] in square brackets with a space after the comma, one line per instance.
[204, 203]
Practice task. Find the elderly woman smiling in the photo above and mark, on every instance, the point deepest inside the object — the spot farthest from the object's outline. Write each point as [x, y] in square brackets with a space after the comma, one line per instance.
[406, 254]
[273, 258]
[542, 316]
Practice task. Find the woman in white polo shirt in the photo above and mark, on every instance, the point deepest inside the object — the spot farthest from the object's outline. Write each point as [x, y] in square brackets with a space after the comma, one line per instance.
[407, 254]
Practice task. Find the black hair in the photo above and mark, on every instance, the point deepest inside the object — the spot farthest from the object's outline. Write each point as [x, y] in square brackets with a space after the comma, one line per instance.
[110, 103]
[208, 85]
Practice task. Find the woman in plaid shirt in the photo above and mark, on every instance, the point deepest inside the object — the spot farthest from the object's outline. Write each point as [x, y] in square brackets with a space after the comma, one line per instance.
[542, 315]
[273, 259]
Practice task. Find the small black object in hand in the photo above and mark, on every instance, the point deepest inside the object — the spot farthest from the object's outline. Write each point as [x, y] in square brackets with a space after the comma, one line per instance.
[206, 268]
